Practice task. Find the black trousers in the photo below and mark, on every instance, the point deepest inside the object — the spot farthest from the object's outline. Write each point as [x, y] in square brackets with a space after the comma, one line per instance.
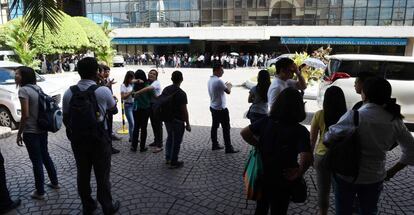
[220, 117]
[5, 200]
[140, 124]
[156, 125]
[96, 155]
[277, 201]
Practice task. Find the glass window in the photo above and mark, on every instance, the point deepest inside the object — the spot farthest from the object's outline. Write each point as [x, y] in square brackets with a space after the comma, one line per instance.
[96, 8]
[347, 22]
[384, 22]
[359, 22]
[372, 21]
[386, 3]
[385, 13]
[262, 3]
[374, 3]
[360, 13]
[184, 15]
[400, 3]
[410, 3]
[398, 14]
[206, 16]
[323, 3]
[361, 3]
[349, 3]
[399, 71]
[251, 3]
[194, 4]
[124, 6]
[106, 7]
[217, 3]
[408, 22]
[238, 3]
[185, 5]
[323, 13]
[217, 14]
[409, 13]
[373, 13]
[88, 8]
[347, 13]
[174, 4]
[206, 4]
[115, 7]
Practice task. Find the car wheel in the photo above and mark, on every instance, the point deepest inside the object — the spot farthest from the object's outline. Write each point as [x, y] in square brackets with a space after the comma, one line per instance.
[6, 119]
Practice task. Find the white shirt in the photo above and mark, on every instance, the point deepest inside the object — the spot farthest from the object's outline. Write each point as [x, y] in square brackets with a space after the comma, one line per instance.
[157, 87]
[216, 89]
[128, 89]
[277, 86]
[377, 133]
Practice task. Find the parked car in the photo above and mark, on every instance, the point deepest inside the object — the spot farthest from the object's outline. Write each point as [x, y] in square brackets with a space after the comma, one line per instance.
[10, 109]
[398, 70]
[118, 60]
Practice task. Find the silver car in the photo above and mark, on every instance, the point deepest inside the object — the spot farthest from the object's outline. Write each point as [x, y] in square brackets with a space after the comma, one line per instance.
[10, 109]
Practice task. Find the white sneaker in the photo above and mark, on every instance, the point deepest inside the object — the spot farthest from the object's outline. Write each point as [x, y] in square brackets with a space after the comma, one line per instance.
[35, 195]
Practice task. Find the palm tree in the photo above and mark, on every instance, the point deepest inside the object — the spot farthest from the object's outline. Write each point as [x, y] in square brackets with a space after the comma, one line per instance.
[46, 13]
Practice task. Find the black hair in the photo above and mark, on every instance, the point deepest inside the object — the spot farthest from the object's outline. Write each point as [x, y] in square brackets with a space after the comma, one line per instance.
[263, 83]
[88, 68]
[156, 72]
[105, 67]
[140, 74]
[283, 63]
[377, 90]
[216, 64]
[128, 75]
[363, 76]
[334, 105]
[177, 77]
[288, 107]
[27, 74]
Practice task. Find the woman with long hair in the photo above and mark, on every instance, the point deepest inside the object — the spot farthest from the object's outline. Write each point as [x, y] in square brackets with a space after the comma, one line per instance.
[142, 111]
[126, 96]
[380, 126]
[258, 97]
[334, 106]
[30, 134]
[281, 140]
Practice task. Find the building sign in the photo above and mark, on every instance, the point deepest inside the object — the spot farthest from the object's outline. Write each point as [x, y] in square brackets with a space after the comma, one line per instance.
[344, 41]
[151, 41]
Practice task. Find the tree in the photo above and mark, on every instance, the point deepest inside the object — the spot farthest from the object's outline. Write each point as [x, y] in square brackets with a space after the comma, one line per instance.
[17, 38]
[106, 53]
[70, 38]
[96, 36]
[44, 13]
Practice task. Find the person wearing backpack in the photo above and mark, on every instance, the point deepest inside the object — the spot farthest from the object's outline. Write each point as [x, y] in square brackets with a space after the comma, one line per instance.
[85, 110]
[280, 139]
[30, 134]
[218, 109]
[178, 122]
[334, 106]
[380, 125]
[258, 97]
[156, 123]
[142, 111]
[6, 203]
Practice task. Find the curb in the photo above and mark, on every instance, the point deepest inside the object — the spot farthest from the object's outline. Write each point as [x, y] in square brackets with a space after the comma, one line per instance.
[5, 132]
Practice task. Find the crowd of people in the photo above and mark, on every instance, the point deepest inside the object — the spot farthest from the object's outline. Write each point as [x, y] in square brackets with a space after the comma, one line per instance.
[187, 60]
[287, 149]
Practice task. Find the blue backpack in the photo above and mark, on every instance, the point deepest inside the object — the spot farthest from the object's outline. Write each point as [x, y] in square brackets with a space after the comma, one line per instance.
[50, 115]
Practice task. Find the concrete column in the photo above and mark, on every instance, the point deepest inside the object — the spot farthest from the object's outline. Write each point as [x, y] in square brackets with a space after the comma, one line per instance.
[409, 48]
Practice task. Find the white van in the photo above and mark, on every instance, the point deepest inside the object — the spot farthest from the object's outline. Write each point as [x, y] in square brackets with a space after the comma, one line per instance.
[398, 70]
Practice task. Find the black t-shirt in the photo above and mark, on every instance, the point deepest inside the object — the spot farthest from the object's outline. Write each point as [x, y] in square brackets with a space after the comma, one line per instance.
[179, 99]
[279, 145]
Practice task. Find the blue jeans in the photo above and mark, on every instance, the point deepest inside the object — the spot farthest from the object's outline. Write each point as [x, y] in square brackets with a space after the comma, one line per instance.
[36, 145]
[5, 200]
[345, 193]
[129, 107]
[175, 132]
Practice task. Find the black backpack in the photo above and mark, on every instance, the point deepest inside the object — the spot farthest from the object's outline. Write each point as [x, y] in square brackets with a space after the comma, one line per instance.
[163, 106]
[83, 116]
[50, 115]
[343, 156]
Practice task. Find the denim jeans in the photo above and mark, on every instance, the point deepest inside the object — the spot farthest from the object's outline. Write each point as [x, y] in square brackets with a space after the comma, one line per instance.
[130, 118]
[141, 122]
[220, 117]
[36, 145]
[175, 131]
[5, 200]
[345, 193]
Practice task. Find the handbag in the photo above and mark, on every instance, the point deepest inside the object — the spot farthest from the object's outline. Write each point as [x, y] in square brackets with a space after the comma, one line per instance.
[253, 175]
[299, 191]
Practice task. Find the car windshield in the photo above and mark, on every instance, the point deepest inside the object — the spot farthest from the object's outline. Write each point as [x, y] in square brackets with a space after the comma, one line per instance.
[7, 76]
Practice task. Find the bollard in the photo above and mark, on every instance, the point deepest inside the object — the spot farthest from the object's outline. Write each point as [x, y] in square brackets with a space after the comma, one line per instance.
[123, 130]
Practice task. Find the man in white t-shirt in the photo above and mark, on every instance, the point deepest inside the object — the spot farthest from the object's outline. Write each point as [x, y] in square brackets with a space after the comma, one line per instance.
[285, 68]
[219, 111]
